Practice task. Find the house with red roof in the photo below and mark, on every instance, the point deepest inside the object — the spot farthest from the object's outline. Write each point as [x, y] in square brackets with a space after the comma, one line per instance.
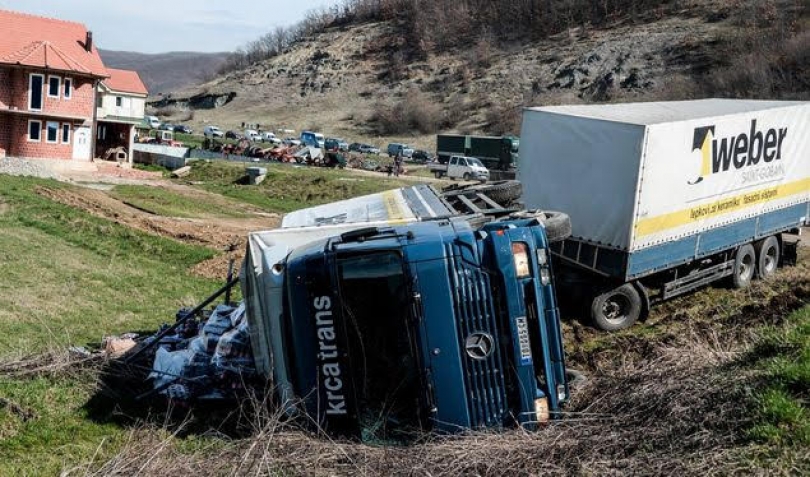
[121, 106]
[50, 75]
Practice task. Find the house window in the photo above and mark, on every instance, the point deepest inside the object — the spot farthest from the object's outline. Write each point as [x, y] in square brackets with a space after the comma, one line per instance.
[54, 86]
[35, 84]
[34, 131]
[119, 101]
[99, 101]
[65, 133]
[101, 133]
[51, 132]
[68, 88]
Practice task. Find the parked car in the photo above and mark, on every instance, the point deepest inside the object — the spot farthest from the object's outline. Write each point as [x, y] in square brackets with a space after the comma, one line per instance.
[270, 137]
[369, 149]
[342, 145]
[183, 129]
[253, 135]
[233, 135]
[422, 156]
[152, 121]
[213, 131]
[291, 141]
[397, 149]
[333, 144]
[166, 127]
[355, 146]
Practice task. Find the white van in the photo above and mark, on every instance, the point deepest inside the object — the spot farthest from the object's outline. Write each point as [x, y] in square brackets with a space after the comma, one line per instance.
[153, 122]
[213, 131]
[460, 167]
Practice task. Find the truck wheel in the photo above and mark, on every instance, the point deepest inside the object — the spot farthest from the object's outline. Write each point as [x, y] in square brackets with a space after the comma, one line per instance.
[557, 224]
[466, 176]
[503, 192]
[768, 255]
[438, 175]
[616, 309]
[744, 266]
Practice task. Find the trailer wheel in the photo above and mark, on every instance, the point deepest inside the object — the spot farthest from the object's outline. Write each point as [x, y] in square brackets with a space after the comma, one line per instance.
[616, 309]
[744, 266]
[768, 256]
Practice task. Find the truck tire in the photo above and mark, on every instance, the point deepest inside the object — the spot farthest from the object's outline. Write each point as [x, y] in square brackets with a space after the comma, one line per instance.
[616, 309]
[768, 256]
[504, 192]
[744, 266]
[466, 176]
[438, 174]
[557, 224]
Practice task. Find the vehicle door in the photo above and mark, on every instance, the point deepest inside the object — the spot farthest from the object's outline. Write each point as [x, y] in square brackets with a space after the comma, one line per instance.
[458, 168]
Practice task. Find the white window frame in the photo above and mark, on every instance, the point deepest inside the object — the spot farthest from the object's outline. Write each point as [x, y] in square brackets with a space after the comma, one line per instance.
[65, 93]
[119, 101]
[48, 124]
[58, 87]
[65, 129]
[31, 90]
[28, 135]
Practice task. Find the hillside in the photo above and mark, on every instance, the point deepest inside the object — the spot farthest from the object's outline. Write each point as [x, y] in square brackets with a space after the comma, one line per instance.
[166, 72]
[358, 81]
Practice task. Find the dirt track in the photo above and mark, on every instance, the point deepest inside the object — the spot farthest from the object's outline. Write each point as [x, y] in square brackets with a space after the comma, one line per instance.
[228, 235]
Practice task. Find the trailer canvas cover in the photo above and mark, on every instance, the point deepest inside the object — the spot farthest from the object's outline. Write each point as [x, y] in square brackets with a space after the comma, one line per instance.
[632, 176]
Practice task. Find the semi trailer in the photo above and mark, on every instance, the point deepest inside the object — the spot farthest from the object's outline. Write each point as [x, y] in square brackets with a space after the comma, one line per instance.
[666, 197]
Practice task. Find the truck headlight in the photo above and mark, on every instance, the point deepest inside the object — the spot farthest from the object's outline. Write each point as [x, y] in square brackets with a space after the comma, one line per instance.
[545, 276]
[541, 410]
[542, 256]
[520, 253]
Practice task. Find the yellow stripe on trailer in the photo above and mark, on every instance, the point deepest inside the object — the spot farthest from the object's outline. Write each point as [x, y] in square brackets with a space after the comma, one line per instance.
[726, 205]
[393, 207]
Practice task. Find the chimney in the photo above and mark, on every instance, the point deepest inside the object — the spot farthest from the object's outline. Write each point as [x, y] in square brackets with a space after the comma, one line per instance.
[88, 42]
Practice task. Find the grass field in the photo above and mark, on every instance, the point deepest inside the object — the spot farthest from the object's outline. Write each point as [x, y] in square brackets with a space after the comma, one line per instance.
[286, 187]
[69, 279]
[163, 202]
[715, 382]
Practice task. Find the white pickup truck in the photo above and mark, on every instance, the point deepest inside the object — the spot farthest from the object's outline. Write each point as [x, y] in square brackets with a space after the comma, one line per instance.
[460, 167]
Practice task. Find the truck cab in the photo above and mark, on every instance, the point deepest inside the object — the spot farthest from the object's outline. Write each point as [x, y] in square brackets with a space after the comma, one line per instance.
[413, 322]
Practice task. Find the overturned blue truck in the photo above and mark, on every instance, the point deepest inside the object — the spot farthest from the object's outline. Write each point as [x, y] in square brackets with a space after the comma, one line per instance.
[394, 314]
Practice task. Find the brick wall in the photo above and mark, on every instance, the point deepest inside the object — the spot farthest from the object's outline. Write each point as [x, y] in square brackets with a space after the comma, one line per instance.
[19, 145]
[5, 88]
[5, 134]
[14, 85]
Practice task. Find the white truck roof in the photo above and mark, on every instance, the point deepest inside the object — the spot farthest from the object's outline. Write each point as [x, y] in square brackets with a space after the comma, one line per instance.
[665, 112]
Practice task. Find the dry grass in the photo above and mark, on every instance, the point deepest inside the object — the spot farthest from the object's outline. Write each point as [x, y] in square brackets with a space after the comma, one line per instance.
[655, 403]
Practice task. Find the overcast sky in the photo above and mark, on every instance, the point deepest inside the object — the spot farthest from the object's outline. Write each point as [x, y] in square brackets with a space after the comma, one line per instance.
[154, 26]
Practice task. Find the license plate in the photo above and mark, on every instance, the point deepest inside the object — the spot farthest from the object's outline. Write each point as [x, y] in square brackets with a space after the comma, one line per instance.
[523, 340]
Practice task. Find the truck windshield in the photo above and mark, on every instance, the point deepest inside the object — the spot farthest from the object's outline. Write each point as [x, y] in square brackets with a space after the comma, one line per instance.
[381, 343]
[474, 162]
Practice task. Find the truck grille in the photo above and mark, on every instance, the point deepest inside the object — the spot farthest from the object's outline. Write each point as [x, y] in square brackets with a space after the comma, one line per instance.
[475, 318]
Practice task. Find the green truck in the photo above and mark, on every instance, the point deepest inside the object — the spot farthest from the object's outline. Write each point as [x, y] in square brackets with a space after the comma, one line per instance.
[498, 153]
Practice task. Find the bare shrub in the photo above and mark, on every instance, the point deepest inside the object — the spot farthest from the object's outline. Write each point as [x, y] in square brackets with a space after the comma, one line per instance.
[771, 62]
[414, 112]
[503, 119]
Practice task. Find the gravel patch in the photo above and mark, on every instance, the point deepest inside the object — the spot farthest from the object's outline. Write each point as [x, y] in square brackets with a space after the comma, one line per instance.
[21, 167]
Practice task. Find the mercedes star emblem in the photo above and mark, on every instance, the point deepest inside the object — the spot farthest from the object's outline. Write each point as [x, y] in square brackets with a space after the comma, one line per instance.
[479, 345]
